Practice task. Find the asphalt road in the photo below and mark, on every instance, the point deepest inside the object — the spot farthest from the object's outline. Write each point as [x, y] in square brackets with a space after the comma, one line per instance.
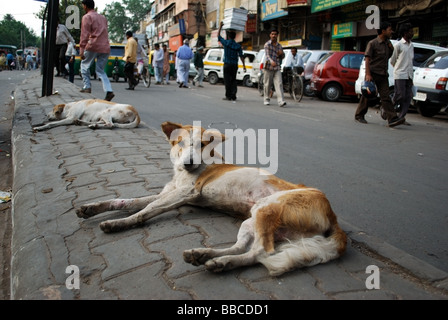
[388, 182]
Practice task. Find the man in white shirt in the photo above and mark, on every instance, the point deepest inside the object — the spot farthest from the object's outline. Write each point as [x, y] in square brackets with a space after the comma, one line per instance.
[158, 63]
[63, 37]
[294, 59]
[401, 60]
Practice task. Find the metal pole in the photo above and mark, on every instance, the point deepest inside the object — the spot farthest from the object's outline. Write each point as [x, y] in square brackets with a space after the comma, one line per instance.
[50, 42]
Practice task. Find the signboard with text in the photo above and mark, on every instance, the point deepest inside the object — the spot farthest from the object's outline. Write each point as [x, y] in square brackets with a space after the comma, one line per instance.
[343, 30]
[270, 10]
[319, 5]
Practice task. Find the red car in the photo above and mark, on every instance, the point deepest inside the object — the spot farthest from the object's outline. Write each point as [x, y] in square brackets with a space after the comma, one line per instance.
[335, 74]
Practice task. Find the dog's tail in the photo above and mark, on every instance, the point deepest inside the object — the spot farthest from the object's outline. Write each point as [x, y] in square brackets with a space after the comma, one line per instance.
[306, 252]
[129, 113]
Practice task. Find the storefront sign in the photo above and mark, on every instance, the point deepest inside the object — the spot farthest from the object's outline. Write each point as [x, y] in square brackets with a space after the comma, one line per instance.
[270, 10]
[182, 26]
[251, 23]
[175, 42]
[297, 3]
[291, 43]
[319, 5]
[344, 30]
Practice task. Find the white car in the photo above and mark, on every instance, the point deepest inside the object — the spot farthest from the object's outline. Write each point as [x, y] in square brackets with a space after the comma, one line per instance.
[310, 58]
[431, 81]
[421, 53]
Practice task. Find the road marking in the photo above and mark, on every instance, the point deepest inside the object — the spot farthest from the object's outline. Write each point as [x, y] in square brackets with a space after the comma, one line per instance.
[296, 115]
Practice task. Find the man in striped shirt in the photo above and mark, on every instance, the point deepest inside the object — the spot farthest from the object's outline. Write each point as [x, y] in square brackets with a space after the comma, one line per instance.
[232, 51]
[272, 69]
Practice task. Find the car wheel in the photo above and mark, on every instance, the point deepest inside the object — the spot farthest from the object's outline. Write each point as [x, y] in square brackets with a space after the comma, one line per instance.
[213, 78]
[307, 89]
[332, 92]
[247, 82]
[428, 109]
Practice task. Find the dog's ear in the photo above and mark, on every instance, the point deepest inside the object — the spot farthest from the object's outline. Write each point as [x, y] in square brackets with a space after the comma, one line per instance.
[58, 109]
[168, 127]
[210, 134]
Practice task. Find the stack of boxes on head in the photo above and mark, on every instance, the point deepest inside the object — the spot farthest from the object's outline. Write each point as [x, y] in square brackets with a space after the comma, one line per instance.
[235, 19]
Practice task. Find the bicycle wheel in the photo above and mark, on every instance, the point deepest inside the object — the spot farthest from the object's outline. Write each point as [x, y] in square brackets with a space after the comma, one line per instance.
[146, 76]
[297, 88]
[260, 85]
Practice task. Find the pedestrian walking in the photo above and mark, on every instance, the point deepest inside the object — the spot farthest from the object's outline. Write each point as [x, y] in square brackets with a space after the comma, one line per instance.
[157, 63]
[63, 38]
[29, 61]
[402, 61]
[142, 57]
[94, 44]
[166, 64]
[232, 51]
[272, 69]
[70, 55]
[184, 55]
[10, 59]
[130, 55]
[198, 61]
[377, 55]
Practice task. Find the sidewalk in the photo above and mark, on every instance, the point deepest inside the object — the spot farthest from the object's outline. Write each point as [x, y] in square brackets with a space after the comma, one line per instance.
[58, 170]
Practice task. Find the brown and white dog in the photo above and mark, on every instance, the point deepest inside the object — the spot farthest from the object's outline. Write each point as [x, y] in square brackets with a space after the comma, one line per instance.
[94, 113]
[285, 226]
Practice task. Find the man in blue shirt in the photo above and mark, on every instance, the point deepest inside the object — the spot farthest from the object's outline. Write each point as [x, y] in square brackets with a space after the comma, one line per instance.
[184, 55]
[232, 51]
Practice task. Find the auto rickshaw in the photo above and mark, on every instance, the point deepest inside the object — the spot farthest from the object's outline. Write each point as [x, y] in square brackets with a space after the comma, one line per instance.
[115, 65]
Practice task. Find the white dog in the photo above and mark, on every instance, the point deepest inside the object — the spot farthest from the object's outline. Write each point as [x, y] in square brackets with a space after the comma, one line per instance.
[286, 225]
[94, 113]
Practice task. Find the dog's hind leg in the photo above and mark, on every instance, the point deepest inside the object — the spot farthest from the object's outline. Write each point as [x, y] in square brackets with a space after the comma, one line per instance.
[92, 209]
[200, 256]
[230, 262]
[165, 202]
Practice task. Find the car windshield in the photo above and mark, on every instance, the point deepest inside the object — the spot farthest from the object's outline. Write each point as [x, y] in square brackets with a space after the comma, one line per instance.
[421, 55]
[324, 58]
[438, 61]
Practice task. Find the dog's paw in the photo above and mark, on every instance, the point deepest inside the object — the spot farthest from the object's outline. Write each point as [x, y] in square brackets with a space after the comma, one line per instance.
[196, 257]
[106, 226]
[215, 265]
[37, 129]
[84, 212]
[93, 126]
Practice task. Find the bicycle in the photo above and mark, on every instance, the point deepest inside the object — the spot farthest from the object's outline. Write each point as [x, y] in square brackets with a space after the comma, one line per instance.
[145, 76]
[294, 82]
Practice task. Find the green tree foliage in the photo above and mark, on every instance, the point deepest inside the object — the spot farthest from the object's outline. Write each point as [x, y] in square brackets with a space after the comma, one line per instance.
[117, 21]
[12, 32]
[125, 15]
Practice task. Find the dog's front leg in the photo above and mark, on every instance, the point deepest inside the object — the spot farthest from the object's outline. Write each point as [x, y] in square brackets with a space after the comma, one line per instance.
[166, 202]
[92, 209]
[63, 122]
